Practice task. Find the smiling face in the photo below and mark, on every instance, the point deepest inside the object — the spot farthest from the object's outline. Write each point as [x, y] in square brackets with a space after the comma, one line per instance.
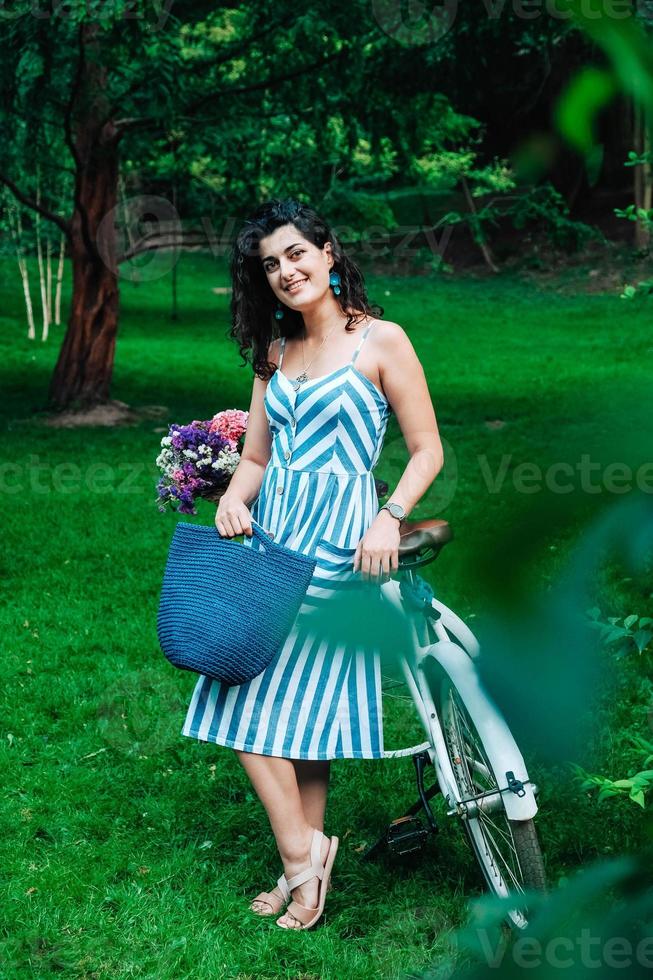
[297, 270]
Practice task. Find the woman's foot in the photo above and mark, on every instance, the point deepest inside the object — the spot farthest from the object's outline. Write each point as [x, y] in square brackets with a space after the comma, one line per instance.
[306, 894]
[263, 906]
[271, 903]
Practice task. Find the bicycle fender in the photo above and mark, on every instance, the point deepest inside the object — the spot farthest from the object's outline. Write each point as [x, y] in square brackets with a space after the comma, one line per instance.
[498, 741]
[455, 625]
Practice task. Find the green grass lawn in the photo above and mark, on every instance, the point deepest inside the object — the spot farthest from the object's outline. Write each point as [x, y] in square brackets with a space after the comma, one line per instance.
[130, 851]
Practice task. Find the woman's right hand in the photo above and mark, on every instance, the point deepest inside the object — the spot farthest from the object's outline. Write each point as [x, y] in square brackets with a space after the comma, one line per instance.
[233, 517]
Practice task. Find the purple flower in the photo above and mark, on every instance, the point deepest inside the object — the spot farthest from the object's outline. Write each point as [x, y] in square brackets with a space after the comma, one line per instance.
[182, 482]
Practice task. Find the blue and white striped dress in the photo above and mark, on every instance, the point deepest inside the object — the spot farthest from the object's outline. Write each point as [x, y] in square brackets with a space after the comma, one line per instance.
[317, 699]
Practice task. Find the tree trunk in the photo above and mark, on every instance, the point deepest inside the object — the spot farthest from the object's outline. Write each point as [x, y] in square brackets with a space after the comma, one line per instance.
[82, 376]
[60, 270]
[16, 229]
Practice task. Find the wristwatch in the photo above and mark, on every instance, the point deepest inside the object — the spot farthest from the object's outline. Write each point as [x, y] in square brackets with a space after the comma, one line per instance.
[395, 509]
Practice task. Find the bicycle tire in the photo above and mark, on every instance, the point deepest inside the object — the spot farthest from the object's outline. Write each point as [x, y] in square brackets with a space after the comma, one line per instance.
[525, 865]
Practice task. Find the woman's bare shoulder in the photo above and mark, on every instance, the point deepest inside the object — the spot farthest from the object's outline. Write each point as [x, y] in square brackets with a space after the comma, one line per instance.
[390, 338]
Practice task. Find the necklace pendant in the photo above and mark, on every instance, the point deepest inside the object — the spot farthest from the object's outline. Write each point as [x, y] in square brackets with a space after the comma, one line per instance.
[299, 380]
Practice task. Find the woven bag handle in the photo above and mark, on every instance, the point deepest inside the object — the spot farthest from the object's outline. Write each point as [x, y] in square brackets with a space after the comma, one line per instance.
[263, 536]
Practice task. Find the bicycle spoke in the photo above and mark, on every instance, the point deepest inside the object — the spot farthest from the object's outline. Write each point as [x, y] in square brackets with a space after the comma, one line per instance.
[482, 770]
[390, 685]
[506, 850]
[478, 779]
[498, 855]
[507, 837]
[487, 819]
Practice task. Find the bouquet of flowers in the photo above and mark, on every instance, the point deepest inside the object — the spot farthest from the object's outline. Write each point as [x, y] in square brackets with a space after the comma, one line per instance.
[198, 460]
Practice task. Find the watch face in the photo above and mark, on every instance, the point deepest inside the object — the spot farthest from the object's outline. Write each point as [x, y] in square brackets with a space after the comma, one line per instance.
[396, 510]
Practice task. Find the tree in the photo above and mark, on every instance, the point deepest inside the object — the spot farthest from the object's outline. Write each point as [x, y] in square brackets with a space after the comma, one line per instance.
[228, 105]
[88, 84]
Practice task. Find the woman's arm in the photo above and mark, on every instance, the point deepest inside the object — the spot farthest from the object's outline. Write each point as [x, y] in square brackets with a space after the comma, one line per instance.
[246, 480]
[233, 515]
[405, 386]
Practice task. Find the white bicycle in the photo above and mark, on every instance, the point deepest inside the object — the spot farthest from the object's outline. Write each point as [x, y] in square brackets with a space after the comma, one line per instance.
[478, 766]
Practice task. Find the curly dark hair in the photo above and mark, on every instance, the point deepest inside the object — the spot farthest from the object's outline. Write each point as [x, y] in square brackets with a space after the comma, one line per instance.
[253, 303]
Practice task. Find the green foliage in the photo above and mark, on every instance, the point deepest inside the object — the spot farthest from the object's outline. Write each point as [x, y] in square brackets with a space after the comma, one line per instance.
[358, 214]
[633, 213]
[589, 91]
[624, 635]
[634, 787]
[447, 144]
[376, 163]
[636, 159]
[425, 258]
[643, 288]
[450, 154]
[544, 206]
[540, 206]
[637, 214]
[626, 42]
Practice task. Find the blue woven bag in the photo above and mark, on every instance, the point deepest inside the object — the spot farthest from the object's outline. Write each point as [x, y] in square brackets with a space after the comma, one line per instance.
[226, 608]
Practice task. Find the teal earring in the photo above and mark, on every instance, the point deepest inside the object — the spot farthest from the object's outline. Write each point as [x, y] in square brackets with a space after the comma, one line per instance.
[334, 280]
[278, 313]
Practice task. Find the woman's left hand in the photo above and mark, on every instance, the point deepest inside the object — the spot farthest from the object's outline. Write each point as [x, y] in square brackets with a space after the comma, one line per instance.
[377, 552]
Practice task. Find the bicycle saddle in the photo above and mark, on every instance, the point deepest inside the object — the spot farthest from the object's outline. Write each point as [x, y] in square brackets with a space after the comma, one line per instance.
[414, 536]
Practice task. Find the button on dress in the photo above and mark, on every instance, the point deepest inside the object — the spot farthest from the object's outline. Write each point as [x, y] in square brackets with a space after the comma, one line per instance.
[318, 698]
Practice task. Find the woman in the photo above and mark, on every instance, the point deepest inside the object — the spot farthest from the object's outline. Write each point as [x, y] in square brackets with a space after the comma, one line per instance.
[314, 434]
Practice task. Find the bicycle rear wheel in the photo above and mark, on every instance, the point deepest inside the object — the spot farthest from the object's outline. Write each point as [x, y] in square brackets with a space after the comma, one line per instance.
[508, 851]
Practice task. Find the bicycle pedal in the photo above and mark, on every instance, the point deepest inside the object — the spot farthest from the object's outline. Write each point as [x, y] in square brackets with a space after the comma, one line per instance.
[406, 834]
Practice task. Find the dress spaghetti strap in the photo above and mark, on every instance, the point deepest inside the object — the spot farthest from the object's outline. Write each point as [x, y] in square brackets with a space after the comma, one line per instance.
[354, 356]
[361, 341]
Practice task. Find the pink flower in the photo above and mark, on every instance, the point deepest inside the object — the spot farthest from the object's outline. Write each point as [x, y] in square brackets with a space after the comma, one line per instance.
[231, 424]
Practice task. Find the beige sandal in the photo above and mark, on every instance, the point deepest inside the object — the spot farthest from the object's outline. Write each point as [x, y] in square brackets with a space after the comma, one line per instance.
[274, 901]
[309, 917]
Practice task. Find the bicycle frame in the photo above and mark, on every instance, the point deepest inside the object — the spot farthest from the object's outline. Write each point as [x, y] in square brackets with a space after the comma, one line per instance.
[457, 660]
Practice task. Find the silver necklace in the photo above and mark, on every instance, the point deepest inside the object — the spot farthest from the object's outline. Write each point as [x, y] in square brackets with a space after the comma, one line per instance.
[301, 378]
